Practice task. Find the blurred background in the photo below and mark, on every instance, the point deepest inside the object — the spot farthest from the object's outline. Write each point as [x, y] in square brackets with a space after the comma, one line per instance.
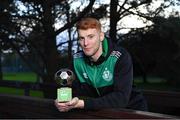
[38, 37]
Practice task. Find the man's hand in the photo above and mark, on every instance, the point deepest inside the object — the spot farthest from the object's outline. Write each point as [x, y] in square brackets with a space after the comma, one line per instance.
[74, 103]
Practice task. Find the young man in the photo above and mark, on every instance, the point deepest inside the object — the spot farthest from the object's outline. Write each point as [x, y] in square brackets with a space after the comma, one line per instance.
[104, 73]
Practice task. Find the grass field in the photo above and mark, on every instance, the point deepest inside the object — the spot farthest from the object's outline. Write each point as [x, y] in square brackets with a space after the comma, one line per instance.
[155, 83]
[25, 77]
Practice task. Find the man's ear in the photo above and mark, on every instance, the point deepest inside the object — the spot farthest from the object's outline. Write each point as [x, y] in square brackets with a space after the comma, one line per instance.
[102, 36]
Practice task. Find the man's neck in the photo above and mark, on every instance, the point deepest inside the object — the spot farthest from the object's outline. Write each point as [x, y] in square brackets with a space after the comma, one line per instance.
[96, 56]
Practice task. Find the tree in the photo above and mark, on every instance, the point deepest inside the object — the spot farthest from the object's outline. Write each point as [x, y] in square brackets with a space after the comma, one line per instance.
[158, 48]
[142, 9]
[35, 34]
[4, 29]
[167, 48]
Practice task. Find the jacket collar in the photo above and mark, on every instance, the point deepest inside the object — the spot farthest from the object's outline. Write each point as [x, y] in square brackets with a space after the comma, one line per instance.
[107, 48]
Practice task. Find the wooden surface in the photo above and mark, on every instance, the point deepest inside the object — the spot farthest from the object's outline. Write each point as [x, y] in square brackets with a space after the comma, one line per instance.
[166, 102]
[12, 106]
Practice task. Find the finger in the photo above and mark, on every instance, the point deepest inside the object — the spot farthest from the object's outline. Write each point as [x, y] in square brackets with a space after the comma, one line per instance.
[56, 103]
[64, 109]
[61, 105]
[73, 102]
[75, 99]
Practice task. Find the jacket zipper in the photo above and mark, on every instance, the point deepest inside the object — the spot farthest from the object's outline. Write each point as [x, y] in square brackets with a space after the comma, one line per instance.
[94, 80]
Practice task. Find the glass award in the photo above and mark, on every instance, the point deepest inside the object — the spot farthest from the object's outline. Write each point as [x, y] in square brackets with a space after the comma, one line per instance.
[64, 78]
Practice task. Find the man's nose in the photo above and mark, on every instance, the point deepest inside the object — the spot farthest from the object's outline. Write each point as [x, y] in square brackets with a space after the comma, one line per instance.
[86, 42]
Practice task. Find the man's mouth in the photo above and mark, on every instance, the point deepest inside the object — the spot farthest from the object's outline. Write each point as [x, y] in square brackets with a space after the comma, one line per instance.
[86, 49]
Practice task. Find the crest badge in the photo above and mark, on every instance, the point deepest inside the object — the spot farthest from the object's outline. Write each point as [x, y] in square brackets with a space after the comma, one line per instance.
[85, 75]
[107, 75]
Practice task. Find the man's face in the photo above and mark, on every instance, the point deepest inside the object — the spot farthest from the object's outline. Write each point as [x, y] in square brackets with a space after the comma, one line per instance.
[90, 41]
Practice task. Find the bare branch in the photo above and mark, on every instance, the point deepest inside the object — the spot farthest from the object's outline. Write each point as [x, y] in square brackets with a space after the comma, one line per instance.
[84, 12]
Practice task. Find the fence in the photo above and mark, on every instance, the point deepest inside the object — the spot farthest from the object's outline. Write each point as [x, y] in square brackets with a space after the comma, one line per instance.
[158, 101]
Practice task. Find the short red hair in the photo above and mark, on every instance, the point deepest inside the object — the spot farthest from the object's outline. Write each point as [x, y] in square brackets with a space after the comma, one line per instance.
[86, 23]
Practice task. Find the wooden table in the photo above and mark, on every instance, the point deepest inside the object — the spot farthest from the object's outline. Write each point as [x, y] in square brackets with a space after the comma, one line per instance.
[12, 106]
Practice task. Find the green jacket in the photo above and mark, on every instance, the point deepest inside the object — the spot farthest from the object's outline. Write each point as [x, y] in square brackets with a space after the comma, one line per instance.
[108, 82]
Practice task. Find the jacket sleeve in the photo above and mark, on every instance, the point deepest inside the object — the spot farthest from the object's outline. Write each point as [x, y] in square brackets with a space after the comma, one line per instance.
[80, 89]
[123, 79]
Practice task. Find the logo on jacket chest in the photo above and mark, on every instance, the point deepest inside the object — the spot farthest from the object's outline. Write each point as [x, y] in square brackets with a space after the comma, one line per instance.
[85, 75]
[107, 75]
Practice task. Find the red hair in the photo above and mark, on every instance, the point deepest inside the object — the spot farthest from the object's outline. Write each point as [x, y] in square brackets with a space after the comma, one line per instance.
[86, 23]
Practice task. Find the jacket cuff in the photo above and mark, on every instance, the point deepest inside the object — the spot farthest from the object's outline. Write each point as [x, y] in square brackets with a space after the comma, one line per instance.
[88, 104]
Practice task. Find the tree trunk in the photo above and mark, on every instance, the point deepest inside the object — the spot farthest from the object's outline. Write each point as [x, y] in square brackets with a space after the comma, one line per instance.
[51, 65]
[69, 36]
[1, 76]
[50, 50]
[49, 87]
[113, 20]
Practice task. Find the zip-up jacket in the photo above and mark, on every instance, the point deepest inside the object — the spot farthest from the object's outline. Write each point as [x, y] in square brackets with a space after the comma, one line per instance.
[106, 83]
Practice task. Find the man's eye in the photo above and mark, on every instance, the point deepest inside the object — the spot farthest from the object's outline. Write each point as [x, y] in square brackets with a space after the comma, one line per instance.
[90, 36]
[80, 39]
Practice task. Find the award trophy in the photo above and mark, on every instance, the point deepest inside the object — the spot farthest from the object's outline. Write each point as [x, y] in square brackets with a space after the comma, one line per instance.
[64, 78]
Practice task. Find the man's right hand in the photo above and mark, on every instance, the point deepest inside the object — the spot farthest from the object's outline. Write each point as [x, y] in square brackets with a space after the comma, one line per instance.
[66, 106]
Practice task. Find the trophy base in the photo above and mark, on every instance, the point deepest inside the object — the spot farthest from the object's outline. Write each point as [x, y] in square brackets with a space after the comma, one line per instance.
[64, 94]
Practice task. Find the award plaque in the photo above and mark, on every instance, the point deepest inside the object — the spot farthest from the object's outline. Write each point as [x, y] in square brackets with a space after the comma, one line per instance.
[64, 78]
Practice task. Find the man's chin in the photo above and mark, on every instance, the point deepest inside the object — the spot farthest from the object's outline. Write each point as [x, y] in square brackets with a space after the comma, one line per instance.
[87, 54]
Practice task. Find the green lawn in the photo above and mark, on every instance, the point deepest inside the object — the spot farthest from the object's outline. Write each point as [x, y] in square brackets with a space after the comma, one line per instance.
[26, 77]
[154, 83]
